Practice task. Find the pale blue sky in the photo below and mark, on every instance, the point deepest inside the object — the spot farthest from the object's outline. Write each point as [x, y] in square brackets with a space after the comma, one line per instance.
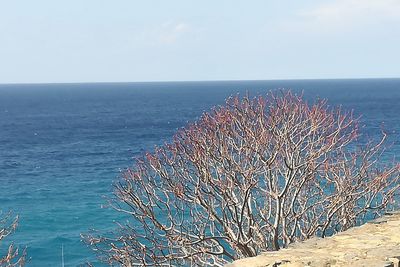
[128, 40]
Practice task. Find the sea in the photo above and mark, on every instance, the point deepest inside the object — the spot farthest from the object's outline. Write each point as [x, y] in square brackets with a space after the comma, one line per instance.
[63, 146]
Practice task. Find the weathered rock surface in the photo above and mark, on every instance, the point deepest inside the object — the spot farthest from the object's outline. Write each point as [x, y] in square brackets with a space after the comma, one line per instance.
[374, 244]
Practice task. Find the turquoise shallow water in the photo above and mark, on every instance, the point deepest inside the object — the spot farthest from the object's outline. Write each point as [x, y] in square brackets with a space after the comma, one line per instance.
[62, 146]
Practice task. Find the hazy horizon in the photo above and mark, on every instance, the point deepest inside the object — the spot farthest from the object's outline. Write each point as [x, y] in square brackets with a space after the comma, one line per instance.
[203, 81]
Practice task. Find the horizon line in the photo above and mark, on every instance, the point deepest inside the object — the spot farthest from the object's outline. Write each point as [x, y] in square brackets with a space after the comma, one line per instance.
[195, 81]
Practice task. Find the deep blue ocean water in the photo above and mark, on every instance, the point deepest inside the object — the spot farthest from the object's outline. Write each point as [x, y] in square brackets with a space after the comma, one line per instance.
[63, 145]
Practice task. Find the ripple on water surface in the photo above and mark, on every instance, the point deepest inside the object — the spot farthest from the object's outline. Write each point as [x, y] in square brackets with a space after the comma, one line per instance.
[62, 146]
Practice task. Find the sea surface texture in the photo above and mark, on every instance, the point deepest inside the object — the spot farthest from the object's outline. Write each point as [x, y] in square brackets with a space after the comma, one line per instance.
[62, 146]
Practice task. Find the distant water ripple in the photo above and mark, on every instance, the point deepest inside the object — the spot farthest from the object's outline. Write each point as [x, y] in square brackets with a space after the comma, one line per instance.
[62, 146]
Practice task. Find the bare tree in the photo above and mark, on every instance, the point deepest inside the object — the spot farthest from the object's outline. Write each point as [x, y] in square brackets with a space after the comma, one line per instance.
[12, 257]
[251, 176]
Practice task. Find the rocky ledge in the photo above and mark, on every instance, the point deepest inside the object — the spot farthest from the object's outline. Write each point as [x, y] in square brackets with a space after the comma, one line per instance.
[374, 244]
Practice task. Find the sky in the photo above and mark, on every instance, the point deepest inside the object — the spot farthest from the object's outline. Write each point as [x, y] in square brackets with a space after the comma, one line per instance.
[62, 41]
